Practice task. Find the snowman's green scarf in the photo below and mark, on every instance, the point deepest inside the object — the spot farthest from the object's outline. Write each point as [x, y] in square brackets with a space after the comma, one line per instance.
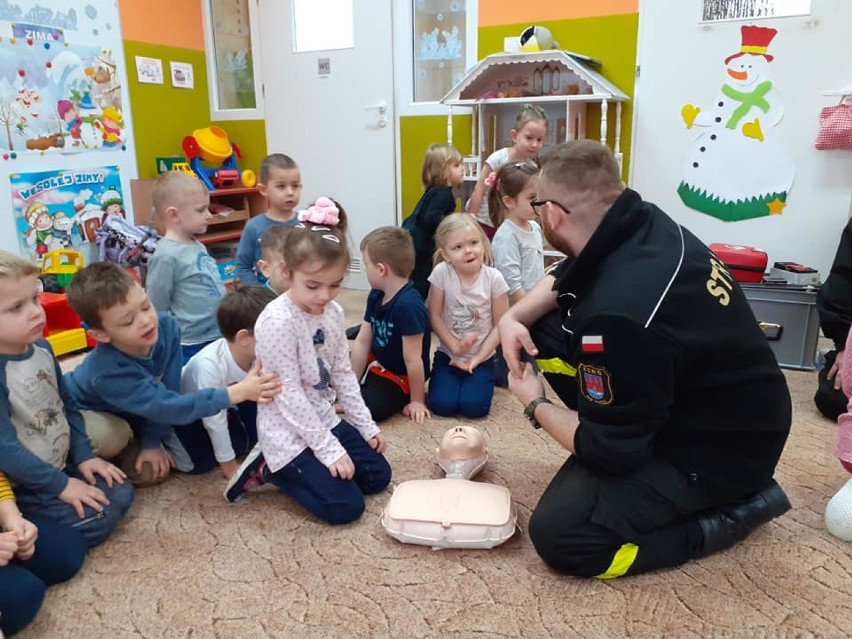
[748, 100]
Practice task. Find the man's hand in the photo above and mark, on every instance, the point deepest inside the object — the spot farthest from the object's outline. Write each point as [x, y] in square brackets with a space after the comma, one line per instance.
[836, 371]
[515, 337]
[527, 387]
[161, 462]
[343, 468]
[229, 467]
[378, 444]
[417, 412]
[78, 494]
[97, 466]
[256, 387]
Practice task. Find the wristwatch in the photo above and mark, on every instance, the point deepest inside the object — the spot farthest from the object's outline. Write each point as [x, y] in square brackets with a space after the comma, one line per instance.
[529, 411]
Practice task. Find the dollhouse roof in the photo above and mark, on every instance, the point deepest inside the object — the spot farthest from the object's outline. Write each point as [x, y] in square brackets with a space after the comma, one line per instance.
[541, 75]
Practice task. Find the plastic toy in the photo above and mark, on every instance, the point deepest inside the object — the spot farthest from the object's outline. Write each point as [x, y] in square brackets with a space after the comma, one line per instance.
[63, 264]
[453, 512]
[62, 327]
[211, 145]
[537, 38]
[183, 166]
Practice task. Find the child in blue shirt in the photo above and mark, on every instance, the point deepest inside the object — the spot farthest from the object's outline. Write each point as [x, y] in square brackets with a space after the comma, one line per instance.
[135, 370]
[281, 183]
[394, 340]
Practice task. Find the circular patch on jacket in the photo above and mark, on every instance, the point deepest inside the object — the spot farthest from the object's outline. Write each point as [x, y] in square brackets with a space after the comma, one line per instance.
[595, 384]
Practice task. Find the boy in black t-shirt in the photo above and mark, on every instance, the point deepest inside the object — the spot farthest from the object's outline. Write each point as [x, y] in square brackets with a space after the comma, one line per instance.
[394, 341]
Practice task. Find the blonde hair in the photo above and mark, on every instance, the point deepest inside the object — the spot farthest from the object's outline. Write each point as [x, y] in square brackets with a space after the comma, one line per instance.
[393, 246]
[454, 223]
[530, 113]
[172, 185]
[273, 240]
[12, 265]
[436, 164]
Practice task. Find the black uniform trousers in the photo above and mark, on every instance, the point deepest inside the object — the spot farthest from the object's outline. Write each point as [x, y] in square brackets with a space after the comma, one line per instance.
[589, 524]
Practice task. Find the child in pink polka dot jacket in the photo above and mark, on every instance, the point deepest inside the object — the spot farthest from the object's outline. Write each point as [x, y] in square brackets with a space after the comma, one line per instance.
[323, 462]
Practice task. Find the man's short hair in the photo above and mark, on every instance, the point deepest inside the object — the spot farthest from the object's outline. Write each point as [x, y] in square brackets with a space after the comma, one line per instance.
[97, 288]
[12, 265]
[171, 186]
[240, 309]
[583, 165]
[273, 240]
[393, 246]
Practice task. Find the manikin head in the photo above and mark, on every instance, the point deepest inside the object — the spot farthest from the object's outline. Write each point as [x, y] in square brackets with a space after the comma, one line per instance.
[462, 452]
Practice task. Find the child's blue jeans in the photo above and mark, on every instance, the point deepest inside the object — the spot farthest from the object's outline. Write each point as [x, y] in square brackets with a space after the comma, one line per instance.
[242, 428]
[94, 526]
[59, 554]
[453, 391]
[335, 501]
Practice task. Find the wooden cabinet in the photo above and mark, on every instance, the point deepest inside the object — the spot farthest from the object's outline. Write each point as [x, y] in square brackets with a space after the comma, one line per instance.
[231, 209]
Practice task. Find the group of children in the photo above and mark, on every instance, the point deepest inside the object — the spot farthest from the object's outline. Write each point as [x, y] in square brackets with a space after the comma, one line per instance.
[186, 376]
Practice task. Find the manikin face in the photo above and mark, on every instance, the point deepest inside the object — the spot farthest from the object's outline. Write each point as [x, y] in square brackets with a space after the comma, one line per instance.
[462, 443]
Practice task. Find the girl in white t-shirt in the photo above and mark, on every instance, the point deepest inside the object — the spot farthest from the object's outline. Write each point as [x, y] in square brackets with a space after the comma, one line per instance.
[528, 137]
[467, 298]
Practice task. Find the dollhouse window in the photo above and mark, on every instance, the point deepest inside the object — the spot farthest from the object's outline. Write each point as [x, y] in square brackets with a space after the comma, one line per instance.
[321, 25]
[436, 41]
[715, 10]
[232, 62]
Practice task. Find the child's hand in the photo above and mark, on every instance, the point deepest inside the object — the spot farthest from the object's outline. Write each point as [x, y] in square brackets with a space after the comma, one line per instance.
[378, 444]
[256, 387]
[161, 462]
[229, 467]
[464, 344]
[8, 547]
[78, 494]
[343, 468]
[27, 535]
[417, 412]
[97, 466]
[467, 365]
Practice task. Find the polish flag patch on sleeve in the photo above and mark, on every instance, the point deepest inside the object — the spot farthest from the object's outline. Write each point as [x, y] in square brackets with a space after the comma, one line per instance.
[592, 344]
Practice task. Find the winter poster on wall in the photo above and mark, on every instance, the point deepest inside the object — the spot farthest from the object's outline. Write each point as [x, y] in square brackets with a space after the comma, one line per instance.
[738, 168]
[64, 209]
[59, 93]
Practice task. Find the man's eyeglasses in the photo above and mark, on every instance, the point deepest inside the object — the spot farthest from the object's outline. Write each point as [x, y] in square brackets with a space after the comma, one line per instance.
[536, 204]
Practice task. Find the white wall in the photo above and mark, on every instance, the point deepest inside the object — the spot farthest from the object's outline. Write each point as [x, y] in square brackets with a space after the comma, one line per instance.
[682, 61]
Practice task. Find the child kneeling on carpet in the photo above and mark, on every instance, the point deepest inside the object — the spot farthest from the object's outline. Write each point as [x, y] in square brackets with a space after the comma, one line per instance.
[326, 464]
[134, 371]
[44, 449]
[394, 341]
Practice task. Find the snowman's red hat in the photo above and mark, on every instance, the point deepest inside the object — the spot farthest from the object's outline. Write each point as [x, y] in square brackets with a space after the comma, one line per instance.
[755, 40]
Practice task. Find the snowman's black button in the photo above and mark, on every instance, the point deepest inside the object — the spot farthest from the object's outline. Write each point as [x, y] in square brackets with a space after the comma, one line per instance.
[702, 149]
[713, 137]
[695, 165]
[718, 119]
[721, 104]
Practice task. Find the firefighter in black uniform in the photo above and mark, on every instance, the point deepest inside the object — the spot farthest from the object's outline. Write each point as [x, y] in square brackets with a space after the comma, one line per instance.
[682, 411]
[834, 303]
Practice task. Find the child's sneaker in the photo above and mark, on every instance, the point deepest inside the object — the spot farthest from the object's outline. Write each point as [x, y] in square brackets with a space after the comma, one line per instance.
[252, 473]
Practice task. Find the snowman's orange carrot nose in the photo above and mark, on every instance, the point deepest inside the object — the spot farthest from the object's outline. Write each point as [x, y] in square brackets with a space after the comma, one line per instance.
[738, 75]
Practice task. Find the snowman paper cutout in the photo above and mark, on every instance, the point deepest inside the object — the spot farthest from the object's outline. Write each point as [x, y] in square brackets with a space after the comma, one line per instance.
[737, 168]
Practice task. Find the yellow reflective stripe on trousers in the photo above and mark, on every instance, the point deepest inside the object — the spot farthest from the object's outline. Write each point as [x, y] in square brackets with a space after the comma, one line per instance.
[622, 561]
[556, 365]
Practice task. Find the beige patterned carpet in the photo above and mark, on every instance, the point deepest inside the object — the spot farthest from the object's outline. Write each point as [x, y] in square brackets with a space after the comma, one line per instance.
[187, 565]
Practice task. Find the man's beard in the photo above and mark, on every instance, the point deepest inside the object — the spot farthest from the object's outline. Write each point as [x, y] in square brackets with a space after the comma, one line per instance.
[554, 240]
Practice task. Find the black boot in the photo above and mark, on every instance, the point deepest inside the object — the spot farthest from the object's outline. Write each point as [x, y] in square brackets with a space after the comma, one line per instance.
[733, 523]
[352, 331]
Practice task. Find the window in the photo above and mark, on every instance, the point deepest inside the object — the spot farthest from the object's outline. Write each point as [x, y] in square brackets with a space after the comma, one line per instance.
[435, 43]
[321, 25]
[232, 65]
[714, 10]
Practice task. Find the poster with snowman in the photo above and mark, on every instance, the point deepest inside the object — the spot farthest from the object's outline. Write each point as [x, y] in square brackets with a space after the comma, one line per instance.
[64, 209]
[738, 168]
[59, 82]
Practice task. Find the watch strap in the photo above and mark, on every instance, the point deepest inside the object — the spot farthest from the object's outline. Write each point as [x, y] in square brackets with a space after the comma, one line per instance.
[529, 411]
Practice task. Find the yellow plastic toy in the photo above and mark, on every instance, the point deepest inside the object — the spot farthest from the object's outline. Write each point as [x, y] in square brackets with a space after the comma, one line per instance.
[63, 263]
[183, 166]
[212, 145]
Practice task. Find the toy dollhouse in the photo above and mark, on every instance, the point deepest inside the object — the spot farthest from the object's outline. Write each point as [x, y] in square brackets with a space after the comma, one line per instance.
[561, 83]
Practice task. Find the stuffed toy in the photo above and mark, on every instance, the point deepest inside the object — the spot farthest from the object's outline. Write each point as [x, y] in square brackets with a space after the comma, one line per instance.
[454, 512]
[537, 38]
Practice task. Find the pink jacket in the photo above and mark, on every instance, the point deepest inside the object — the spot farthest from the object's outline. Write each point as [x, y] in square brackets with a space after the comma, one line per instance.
[844, 422]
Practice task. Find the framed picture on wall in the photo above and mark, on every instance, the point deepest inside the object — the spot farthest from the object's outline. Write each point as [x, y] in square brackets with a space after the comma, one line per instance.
[725, 10]
[181, 73]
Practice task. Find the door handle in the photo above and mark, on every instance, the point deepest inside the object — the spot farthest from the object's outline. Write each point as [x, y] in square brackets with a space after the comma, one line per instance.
[381, 107]
[772, 331]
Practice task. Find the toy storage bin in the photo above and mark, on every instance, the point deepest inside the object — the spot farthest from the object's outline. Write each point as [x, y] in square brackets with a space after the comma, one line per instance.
[790, 320]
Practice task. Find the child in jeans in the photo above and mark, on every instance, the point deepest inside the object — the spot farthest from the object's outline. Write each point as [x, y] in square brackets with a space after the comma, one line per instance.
[394, 340]
[44, 449]
[182, 277]
[326, 464]
[224, 362]
[134, 372]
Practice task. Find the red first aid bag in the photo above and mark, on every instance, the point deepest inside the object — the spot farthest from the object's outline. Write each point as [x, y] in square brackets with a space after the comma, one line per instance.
[746, 263]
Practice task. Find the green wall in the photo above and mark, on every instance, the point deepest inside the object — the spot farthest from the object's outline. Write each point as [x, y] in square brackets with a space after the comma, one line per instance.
[163, 115]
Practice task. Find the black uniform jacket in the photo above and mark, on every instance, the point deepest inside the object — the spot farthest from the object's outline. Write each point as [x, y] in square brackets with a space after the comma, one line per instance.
[670, 361]
[834, 301]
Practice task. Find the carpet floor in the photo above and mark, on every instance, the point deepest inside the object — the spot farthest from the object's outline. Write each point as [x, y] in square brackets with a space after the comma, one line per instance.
[185, 564]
